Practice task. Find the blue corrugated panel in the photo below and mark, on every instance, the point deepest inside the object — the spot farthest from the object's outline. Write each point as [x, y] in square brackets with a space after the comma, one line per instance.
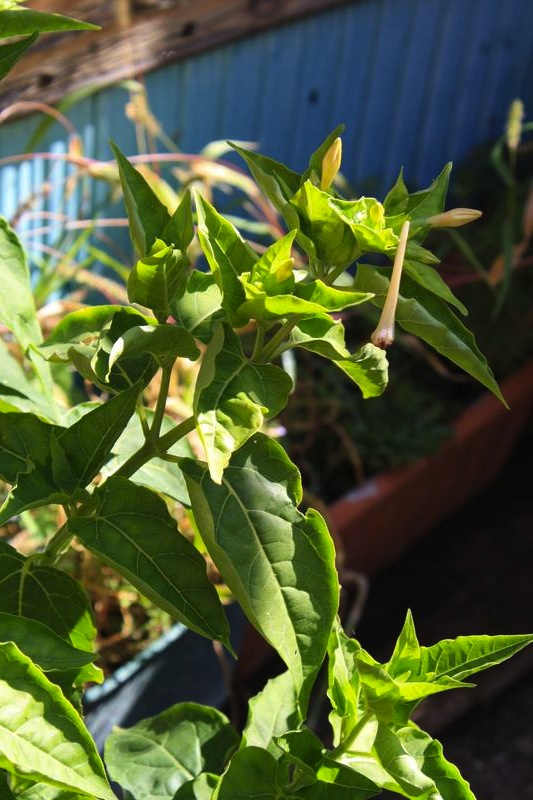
[417, 82]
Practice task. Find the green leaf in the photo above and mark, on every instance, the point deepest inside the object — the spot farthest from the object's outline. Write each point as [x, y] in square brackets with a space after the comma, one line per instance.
[46, 649]
[272, 712]
[158, 755]
[33, 489]
[431, 761]
[227, 254]
[17, 306]
[273, 272]
[396, 200]
[276, 181]
[428, 317]
[132, 531]
[164, 342]
[279, 564]
[428, 202]
[368, 368]
[83, 328]
[24, 444]
[332, 781]
[157, 278]
[132, 368]
[11, 53]
[179, 230]
[343, 683]
[252, 773]
[42, 737]
[79, 452]
[330, 298]
[403, 769]
[322, 232]
[429, 279]
[147, 215]
[233, 398]
[199, 308]
[51, 597]
[42, 791]
[201, 788]
[457, 659]
[23, 21]
[5, 791]
[22, 389]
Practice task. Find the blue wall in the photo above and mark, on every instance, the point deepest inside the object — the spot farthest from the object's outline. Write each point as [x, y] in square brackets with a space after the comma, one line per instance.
[417, 82]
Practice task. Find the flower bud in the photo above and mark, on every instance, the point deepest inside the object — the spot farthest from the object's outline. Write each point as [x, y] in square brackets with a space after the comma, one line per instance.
[454, 218]
[514, 124]
[383, 336]
[331, 164]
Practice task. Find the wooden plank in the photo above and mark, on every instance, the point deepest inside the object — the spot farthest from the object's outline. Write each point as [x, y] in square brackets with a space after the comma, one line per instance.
[137, 38]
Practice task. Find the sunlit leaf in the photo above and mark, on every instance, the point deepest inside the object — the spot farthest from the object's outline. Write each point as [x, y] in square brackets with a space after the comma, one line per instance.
[42, 735]
[278, 563]
[233, 397]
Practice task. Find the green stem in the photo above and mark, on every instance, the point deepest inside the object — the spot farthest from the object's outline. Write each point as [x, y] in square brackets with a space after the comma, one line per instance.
[142, 417]
[270, 351]
[177, 433]
[137, 460]
[57, 544]
[159, 412]
[259, 342]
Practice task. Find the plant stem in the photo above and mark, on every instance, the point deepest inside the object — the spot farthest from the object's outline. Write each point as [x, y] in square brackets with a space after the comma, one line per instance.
[57, 544]
[270, 351]
[165, 442]
[159, 412]
[259, 342]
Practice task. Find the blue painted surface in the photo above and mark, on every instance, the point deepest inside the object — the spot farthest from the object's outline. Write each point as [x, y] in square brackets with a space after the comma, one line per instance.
[417, 82]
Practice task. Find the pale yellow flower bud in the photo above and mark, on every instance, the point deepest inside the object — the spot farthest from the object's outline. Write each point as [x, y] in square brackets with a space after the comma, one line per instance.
[454, 218]
[383, 336]
[514, 124]
[331, 164]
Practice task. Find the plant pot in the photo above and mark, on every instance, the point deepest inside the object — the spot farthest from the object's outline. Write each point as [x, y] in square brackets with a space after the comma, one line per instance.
[180, 666]
[379, 520]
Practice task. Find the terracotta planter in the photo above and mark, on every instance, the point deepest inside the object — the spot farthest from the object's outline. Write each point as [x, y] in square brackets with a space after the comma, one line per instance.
[375, 523]
[380, 519]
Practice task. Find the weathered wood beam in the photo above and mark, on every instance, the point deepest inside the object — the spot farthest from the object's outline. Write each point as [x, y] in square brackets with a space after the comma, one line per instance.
[138, 38]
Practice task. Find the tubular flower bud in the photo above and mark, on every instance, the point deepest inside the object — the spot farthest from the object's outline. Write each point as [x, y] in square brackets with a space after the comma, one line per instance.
[383, 336]
[454, 218]
[514, 124]
[331, 164]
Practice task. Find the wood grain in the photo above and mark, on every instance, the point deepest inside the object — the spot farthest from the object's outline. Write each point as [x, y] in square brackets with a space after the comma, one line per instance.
[138, 36]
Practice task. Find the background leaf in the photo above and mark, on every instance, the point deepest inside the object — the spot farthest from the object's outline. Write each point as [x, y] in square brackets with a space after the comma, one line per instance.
[132, 531]
[158, 755]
